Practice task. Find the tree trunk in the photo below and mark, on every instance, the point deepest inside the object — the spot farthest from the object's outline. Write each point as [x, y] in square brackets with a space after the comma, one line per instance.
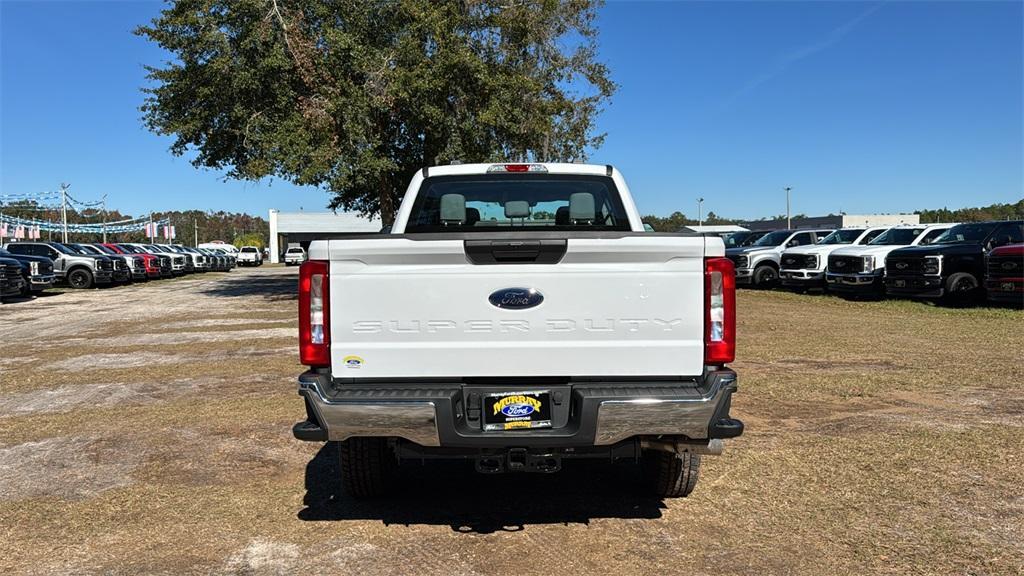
[387, 202]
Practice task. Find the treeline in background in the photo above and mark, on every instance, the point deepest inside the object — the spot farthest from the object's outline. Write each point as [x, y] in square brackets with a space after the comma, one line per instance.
[234, 228]
[677, 220]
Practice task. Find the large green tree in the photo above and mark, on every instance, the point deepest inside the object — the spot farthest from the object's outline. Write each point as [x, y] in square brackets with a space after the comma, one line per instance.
[354, 96]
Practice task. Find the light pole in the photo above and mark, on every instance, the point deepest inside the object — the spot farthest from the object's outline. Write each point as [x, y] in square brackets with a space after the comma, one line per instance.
[789, 223]
[700, 213]
[104, 218]
[64, 210]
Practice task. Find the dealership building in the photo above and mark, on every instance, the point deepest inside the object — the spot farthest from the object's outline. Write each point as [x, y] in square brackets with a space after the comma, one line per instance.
[837, 221]
[301, 228]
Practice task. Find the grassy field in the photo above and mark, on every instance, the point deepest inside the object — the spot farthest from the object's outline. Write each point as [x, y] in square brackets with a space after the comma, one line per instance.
[147, 430]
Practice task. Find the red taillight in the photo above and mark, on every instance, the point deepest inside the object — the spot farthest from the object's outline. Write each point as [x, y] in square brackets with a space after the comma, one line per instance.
[314, 314]
[719, 311]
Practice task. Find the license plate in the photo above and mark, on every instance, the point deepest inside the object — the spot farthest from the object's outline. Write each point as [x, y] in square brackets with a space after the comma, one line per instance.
[900, 283]
[517, 410]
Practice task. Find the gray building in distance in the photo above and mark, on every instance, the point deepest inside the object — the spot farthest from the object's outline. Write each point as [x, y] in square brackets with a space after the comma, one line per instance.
[837, 221]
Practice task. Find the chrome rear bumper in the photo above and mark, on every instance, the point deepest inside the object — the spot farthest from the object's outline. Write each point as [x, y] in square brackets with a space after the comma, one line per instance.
[602, 414]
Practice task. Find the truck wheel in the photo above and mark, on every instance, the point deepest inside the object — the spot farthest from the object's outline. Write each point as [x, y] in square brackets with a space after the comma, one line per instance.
[368, 466]
[765, 276]
[670, 475]
[80, 278]
[962, 288]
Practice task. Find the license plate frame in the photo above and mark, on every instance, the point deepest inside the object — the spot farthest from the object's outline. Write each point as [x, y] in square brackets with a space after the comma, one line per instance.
[516, 410]
[900, 283]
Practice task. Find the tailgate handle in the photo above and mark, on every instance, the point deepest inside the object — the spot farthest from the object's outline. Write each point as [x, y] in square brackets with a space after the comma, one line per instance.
[547, 251]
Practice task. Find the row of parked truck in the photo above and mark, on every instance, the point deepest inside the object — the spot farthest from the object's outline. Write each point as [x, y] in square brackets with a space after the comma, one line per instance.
[28, 268]
[958, 263]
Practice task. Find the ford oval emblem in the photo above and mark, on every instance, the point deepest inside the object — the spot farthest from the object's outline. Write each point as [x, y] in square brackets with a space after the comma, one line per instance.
[516, 298]
[517, 410]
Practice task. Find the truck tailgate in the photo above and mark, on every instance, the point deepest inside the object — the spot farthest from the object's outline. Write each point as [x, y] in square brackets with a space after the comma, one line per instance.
[418, 308]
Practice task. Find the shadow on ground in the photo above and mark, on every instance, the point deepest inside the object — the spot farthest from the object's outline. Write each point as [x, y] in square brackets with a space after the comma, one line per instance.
[274, 288]
[449, 493]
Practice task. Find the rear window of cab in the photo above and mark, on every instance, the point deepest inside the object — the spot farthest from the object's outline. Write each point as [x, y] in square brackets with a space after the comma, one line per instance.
[517, 203]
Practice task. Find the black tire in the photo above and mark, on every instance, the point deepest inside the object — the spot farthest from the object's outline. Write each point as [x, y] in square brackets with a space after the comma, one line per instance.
[80, 278]
[670, 475]
[368, 467]
[765, 276]
[962, 288]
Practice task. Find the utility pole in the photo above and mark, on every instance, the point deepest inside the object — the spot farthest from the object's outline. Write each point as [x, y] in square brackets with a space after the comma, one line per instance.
[195, 224]
[64, 207]
[700, 213]
[789, 222]
[152, 232]
[104, 218]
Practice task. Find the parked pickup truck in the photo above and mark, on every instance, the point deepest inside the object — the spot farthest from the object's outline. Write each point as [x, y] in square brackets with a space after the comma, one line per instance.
[11, 281]
[515, 316]
[758, 263]
[1004, 280]
[857, 270]
[69, 265]
[36, 272]
[250, 256]
[953, 267]
[294, 255]
[803, 267]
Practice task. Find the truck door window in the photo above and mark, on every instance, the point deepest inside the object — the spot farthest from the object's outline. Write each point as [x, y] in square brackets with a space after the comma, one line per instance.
[931, 236]
[801, 239]
[519, 202]
[1009, 234]
[871, 236]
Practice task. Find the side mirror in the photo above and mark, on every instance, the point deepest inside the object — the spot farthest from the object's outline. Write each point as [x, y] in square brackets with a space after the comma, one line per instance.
[792, 243]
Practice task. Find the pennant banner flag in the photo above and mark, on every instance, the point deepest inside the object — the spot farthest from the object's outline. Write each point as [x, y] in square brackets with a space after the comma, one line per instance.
[34, 228]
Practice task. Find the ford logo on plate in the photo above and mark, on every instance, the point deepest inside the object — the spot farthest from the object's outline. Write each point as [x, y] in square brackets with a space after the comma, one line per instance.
[516, 298]
[517, 410]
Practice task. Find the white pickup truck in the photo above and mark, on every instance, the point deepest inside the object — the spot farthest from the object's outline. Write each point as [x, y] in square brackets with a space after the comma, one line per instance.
[518, 315]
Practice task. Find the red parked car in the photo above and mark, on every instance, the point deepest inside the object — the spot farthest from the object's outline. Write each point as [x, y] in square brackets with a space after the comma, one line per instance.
[152, 262]
[1004, 278]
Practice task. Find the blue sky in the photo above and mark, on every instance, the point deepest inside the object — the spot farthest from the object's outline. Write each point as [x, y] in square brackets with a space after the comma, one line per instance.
[859, 106]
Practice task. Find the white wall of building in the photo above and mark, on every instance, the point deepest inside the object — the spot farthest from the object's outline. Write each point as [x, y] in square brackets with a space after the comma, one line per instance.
[326, 223]
[880, 219]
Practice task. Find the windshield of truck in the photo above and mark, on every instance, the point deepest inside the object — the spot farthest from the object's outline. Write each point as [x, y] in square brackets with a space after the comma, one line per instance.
[736, 239]
[845, 236]
[774, 238]
[754, 237]
[130, 249]
[86, 249]
[897, 237]
[517, 202]
[104, 249]
[70, 249]
[966, 233]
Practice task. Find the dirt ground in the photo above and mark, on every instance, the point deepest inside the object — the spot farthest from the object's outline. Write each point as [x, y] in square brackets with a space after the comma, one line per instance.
[146, 429]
